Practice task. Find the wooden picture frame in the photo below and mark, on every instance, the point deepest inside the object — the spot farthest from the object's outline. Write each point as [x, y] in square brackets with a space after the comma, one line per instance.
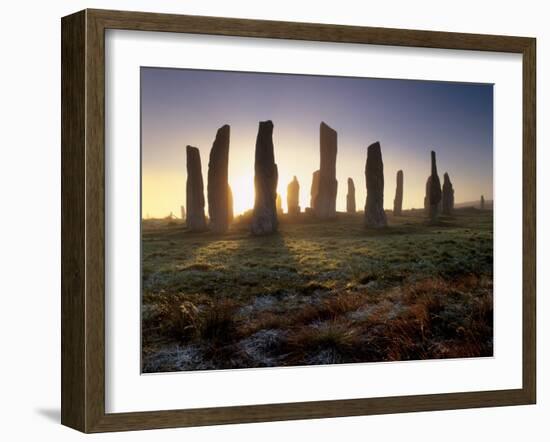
[83, 220]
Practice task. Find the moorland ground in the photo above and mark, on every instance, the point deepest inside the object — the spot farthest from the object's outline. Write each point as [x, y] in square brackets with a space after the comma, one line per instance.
[317, 292]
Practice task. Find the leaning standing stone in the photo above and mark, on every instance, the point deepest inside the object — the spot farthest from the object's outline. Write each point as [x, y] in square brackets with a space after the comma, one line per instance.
[264, 214]
[374, 173]
[196, 220]
[448, 195]
[350, 197]
[435, 191]
[217, 181]
[398, 201]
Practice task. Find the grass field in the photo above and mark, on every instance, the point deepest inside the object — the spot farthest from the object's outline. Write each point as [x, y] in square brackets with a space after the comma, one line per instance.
[317, 292]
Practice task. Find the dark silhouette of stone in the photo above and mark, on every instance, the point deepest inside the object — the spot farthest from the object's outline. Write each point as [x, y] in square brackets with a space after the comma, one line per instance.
[434, 191]
[427, 196]
[182, 211]
[314, 189]
[217, 181]
[350, 197]
[325, 203]
[448, 195]
[279, 204]
[230, 215]
[264, 214]
[293, 197]
[398, 200]
[196, 220]
[374, 173]
[482, 203]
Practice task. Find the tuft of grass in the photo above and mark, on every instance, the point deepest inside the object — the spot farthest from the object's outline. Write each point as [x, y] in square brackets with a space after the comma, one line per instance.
[330, 342]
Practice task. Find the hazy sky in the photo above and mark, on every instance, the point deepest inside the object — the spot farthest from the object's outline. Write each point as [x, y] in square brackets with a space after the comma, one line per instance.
[409, 118]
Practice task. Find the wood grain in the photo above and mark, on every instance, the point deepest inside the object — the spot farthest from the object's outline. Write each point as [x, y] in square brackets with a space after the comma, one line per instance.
[83, 219]
[73, 129]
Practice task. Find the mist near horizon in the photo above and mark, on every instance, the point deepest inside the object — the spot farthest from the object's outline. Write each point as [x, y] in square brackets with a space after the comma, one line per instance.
[409, 118]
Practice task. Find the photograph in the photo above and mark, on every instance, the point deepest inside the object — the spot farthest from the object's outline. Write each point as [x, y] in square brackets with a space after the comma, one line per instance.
[299, 220]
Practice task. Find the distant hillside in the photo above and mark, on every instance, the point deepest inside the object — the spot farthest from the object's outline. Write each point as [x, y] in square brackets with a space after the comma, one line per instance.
[488, 204]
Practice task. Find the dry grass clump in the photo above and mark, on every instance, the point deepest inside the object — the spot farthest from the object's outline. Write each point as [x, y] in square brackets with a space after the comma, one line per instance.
[331, 342]
[185, 321]
[329, 308]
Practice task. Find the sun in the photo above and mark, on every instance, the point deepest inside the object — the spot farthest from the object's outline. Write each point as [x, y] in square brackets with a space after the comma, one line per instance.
[243, 193]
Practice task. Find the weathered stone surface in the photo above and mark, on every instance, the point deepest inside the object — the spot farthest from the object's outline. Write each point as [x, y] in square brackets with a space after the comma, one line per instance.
[230, 215]
[374, 173]
[448, 195]
[279, 204]
[350, 197]
[325, 203]
[314, 189]
[264, 214]
[217, 181]
[482, 203]
[398, 200]
[196, 221]
[293, 197]
[434, 191]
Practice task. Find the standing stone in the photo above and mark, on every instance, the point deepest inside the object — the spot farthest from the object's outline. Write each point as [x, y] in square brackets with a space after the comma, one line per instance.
[293, 197]
[398, 200]
[230, 215]
[279, 204]
[350, 197]
[374, 173]
[182, 211]
[482, 203]
[435, 191]
[314, 189]
[427, 196]
[264, 214]
[196, 220]
[325, 203]
[448, 195]
[217, 181]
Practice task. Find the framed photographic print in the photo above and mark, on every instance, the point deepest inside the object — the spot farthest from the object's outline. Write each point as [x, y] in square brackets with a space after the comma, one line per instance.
[269, 220]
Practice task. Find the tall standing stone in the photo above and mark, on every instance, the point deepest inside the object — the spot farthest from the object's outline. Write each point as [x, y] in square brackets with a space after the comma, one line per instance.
[230, 214]
[374, 173]
[314, 189]
[293, 197]
[435, 191]
[482, 203]
[448, 195]
[264, 214]
[217, 181]
[196, 220]
[325, 203]
[182, 211]
[350, 197]
[398, 200]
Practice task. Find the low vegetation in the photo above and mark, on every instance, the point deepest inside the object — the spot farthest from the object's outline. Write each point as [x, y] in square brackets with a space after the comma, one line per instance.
[317, 293]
